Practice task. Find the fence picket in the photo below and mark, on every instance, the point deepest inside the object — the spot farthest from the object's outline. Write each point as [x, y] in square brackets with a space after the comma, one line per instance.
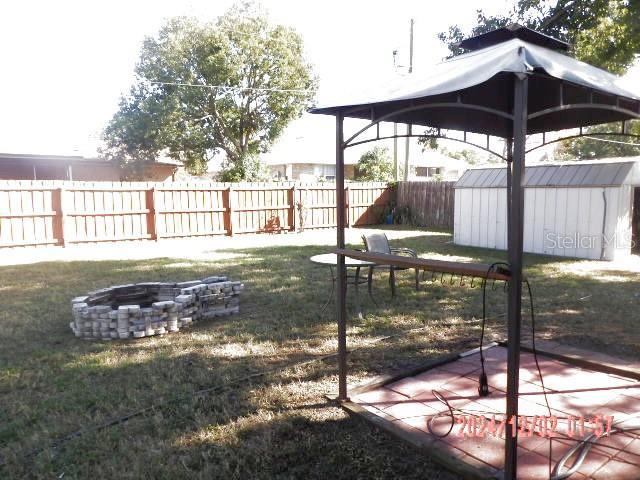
[61, 213]
[430, 203]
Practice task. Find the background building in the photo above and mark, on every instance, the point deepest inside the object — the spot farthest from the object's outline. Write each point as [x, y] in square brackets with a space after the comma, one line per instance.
[15, 166]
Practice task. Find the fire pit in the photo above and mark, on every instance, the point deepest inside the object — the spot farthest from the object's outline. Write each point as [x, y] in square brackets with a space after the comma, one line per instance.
[152, 308]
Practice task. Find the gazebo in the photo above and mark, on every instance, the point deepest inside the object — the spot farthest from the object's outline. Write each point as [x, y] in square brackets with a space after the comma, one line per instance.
[513, 82]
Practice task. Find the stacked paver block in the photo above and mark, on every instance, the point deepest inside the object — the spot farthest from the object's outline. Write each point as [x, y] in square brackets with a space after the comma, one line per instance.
[152, 308]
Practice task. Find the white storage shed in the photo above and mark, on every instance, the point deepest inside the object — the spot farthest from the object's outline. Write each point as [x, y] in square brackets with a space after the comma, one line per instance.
[581, 209]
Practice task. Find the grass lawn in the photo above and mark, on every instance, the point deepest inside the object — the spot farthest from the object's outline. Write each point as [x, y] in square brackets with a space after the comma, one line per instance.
[277, 425]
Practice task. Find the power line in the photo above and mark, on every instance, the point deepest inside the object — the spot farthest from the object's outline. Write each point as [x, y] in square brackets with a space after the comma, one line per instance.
[613, 141]
[228, 87]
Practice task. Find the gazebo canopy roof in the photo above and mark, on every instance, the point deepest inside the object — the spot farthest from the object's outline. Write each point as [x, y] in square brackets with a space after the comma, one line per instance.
[512, 30]
[516, 83]
[473, 91]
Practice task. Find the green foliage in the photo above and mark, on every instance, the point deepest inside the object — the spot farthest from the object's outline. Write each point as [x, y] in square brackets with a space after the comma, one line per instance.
[467, 155]
[586, 148]
[264, 63]
[388, 209]
[428, 142]
[375, 166]
[248, 168]
[455, 35]
[402, 215]
[605, 33]
[613, 38]
[471, 156]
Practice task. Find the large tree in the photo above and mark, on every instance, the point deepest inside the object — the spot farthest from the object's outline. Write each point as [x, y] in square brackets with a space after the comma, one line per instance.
[605, 33]
[375, 165]
[603, 146]
[229, 86]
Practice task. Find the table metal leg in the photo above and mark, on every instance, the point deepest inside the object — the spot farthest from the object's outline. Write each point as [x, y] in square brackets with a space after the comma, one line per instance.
[370, 286]
[354, 280]
[392, 281]
[333, 287]
[356, 284]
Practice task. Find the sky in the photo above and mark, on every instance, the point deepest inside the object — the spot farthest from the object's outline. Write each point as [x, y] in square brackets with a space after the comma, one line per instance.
[65, 64]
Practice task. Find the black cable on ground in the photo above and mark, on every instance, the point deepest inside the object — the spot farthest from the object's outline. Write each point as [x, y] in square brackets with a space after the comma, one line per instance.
[212, 389]
[125, 418]
[585, 444]
[535, 357]
[582, 446]
[439, 414]
[483, 383]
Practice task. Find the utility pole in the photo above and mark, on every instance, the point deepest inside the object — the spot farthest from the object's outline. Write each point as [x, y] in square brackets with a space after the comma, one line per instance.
[411, 47]
[396, 172]
[406, 152]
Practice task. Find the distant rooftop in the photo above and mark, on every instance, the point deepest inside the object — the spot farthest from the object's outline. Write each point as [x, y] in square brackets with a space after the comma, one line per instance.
[63, 159]
[418, 158]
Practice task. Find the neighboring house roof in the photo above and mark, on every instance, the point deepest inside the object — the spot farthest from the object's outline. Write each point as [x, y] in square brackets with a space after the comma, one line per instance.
[324, 156]
[435, 159]
[598, 173]
[63, 159]
[39, 158]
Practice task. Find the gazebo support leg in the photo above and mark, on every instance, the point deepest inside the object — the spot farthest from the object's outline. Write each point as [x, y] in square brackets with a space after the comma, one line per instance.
[509, 166]
[516, 228]
[341, 304]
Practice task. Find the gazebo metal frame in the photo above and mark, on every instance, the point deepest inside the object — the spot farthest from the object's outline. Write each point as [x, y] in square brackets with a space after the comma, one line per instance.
[601, 107]
[486, 146]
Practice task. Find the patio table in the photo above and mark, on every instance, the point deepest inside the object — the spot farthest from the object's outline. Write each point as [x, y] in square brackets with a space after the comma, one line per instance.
[331, 260]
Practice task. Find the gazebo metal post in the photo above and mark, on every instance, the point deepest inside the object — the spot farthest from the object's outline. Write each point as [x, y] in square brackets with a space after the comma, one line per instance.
[341, 305]
[514, 309]
[509, 173]
[426, 106]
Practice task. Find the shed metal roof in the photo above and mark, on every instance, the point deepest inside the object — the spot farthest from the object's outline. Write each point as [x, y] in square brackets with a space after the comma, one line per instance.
[558, 175]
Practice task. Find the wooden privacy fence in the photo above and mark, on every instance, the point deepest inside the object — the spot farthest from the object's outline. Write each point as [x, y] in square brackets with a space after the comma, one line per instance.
[430, 203]
[60, 213]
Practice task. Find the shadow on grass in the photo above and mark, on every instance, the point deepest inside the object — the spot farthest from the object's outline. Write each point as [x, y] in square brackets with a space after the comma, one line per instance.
[104, 392]
[344, 448]
[52, 383]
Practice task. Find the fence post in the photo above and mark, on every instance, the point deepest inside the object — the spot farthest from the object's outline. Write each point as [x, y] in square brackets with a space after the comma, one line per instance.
[293, 224]
[347, 201]
[58, 207]
[229, 212]
[315, 202]
[152, 219]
